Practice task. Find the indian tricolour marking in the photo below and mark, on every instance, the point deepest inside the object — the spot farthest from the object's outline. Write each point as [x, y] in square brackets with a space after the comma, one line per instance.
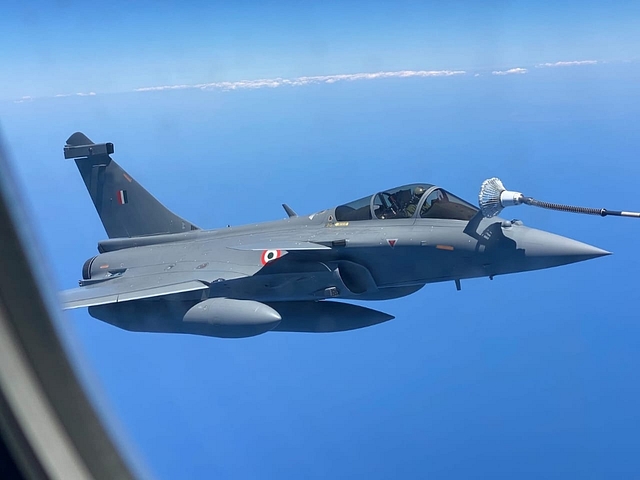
[122, 197]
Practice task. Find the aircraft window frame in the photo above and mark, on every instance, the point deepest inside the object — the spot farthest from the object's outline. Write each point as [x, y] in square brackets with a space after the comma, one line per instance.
[393, 191]
[351, 213]
[396, 207]
[422, 201]
[459, 200]
[391, 206]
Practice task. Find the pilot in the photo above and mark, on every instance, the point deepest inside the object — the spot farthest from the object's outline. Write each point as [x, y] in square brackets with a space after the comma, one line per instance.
[415, 199]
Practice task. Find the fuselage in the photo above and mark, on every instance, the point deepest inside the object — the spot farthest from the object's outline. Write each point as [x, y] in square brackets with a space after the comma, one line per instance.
[367, 260]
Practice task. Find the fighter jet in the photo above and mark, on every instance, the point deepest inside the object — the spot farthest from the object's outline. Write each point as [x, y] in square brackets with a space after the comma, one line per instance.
[158, 272]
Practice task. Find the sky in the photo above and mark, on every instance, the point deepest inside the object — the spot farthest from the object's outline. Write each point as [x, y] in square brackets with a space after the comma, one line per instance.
[225, 112]
[68, 47]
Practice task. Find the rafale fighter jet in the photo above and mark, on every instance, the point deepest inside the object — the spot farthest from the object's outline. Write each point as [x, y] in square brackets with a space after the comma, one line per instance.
[158, 272]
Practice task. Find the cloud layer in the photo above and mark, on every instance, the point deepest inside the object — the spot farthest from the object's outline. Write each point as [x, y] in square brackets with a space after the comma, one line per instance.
[300, 81]
[325, 79]
[28, 98]
[79, 94]
[572, 63]
[511, 71]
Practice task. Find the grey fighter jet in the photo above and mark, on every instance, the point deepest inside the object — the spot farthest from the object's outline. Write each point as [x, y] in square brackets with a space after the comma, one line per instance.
[158, 272]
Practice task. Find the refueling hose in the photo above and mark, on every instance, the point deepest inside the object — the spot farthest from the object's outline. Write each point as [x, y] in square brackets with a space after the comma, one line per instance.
[494, 197]
[603, 212]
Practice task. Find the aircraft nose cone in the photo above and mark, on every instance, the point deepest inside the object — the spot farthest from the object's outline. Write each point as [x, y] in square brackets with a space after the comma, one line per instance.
[544, 244]
[546, 249]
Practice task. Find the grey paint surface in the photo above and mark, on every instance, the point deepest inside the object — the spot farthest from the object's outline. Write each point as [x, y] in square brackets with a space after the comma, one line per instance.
[156, 267]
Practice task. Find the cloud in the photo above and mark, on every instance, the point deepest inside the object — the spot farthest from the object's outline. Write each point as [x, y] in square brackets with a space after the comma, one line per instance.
[323, 79]
[511, 71]
[301, 81]
[567, 64]
[79, 94]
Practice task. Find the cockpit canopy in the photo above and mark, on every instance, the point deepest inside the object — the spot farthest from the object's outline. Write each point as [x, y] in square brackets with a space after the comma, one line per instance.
[418, 200]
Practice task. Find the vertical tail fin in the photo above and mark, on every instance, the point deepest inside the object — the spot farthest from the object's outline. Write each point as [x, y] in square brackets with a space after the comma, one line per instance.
[124, 206]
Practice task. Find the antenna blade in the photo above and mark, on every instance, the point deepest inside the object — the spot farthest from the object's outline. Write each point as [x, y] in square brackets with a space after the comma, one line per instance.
[289, 210]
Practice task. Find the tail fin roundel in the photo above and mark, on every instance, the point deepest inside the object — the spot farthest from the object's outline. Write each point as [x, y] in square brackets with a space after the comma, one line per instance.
[124, 206]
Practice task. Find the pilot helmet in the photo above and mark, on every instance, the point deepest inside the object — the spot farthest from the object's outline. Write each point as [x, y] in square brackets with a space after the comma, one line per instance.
[418, 191]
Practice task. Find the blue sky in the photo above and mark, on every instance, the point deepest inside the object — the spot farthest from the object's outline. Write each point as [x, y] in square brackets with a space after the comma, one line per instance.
[70, 47]
[528, 376]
